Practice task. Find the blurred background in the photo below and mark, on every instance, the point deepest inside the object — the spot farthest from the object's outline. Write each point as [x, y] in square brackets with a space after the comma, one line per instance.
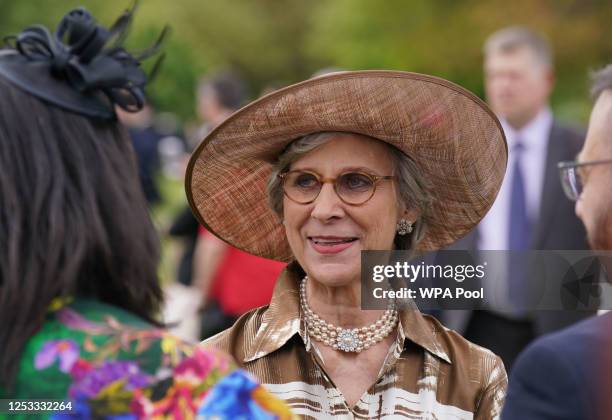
[272, 43]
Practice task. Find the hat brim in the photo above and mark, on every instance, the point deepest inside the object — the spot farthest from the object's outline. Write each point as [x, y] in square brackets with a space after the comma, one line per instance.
[454, 138]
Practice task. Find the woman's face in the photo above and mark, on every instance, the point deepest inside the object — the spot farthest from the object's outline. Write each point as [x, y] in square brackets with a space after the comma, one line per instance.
[315, 231]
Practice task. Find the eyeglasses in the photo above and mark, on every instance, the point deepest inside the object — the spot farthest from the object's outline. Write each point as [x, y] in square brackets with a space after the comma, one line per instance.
[352, 188]
[573, 177]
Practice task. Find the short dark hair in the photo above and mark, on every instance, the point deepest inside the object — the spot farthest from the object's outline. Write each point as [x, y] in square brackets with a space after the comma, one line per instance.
[228, 87]
[73, 219]
[601, 80]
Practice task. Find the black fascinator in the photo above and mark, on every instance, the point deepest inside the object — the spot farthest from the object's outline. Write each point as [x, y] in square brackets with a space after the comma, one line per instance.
[82, 67]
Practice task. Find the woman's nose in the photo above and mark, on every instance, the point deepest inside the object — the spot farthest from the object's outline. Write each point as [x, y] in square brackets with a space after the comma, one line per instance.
[327, 204]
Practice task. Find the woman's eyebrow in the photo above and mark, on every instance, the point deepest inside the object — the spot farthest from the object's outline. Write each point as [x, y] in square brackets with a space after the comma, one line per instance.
[360, 169]
[341, 170]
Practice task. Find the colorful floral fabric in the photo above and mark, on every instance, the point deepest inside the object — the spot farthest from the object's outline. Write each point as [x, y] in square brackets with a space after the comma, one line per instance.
[111, 365]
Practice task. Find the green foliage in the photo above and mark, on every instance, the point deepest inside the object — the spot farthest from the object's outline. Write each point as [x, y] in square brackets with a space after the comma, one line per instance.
[283, 41]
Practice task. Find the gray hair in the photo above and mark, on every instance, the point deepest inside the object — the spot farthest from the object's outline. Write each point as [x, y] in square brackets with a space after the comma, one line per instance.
[413, 190]
[601, 80]
[509, 39]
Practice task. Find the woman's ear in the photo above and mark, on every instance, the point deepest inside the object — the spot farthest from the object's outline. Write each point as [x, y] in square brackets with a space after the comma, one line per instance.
[410, 215]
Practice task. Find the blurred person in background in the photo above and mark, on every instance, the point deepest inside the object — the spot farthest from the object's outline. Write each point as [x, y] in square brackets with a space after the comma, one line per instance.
[530, 211]
[216, 98]
[79, 292]
[145, 141]
[220, 270]
[288, 178]
[568, 374]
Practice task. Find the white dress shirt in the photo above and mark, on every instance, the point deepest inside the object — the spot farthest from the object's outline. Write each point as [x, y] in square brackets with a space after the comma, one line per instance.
[493, 229]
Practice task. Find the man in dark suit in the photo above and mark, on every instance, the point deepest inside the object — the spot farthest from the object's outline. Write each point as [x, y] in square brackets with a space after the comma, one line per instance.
[530, 211]
[568, 374]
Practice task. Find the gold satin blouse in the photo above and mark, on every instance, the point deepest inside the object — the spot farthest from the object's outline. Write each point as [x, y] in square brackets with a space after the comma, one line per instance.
[430, 372]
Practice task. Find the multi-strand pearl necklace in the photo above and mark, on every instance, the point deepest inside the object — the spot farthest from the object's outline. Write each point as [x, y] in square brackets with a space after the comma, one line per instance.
[347, 339]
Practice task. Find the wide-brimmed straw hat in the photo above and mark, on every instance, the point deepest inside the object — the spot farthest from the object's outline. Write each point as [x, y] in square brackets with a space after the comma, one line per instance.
[454, 138]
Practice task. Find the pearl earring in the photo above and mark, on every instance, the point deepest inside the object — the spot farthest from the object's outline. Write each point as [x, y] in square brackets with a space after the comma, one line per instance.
[404, 227]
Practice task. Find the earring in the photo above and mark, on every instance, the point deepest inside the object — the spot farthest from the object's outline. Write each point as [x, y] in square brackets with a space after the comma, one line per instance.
[403, 227]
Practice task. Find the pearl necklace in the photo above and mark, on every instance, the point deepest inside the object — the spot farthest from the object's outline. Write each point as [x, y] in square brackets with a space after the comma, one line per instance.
[347, 339]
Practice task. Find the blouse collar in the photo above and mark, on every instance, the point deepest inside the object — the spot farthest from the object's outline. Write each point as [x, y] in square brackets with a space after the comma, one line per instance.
[283, 319]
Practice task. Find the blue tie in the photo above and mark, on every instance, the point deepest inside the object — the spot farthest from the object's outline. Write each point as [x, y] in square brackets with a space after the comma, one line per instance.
[519, 234]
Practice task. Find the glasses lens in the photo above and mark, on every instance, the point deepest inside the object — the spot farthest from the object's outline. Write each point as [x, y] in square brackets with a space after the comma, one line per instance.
[572, 185]
[302, 187]
[354, 187]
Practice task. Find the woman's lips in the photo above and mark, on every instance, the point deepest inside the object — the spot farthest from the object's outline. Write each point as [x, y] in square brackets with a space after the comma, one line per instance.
[331, 245]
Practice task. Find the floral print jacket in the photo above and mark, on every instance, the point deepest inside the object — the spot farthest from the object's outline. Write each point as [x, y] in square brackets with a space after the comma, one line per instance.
[105, 363]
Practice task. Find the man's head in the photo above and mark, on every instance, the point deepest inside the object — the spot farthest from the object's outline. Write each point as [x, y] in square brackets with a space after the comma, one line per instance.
[219, 96]
[519, 77]
[594, 206]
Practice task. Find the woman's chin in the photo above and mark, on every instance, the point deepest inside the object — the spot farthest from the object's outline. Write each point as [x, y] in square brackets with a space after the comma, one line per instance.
[334, 275]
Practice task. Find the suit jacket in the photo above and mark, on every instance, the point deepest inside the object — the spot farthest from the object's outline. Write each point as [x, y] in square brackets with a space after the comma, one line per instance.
[557, 228]
[564, 375]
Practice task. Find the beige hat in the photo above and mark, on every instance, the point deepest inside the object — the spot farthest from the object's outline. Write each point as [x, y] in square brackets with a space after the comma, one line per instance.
[454, 138]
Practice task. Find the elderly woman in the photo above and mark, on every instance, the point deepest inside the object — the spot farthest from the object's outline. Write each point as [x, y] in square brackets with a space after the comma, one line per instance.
[314, 174]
